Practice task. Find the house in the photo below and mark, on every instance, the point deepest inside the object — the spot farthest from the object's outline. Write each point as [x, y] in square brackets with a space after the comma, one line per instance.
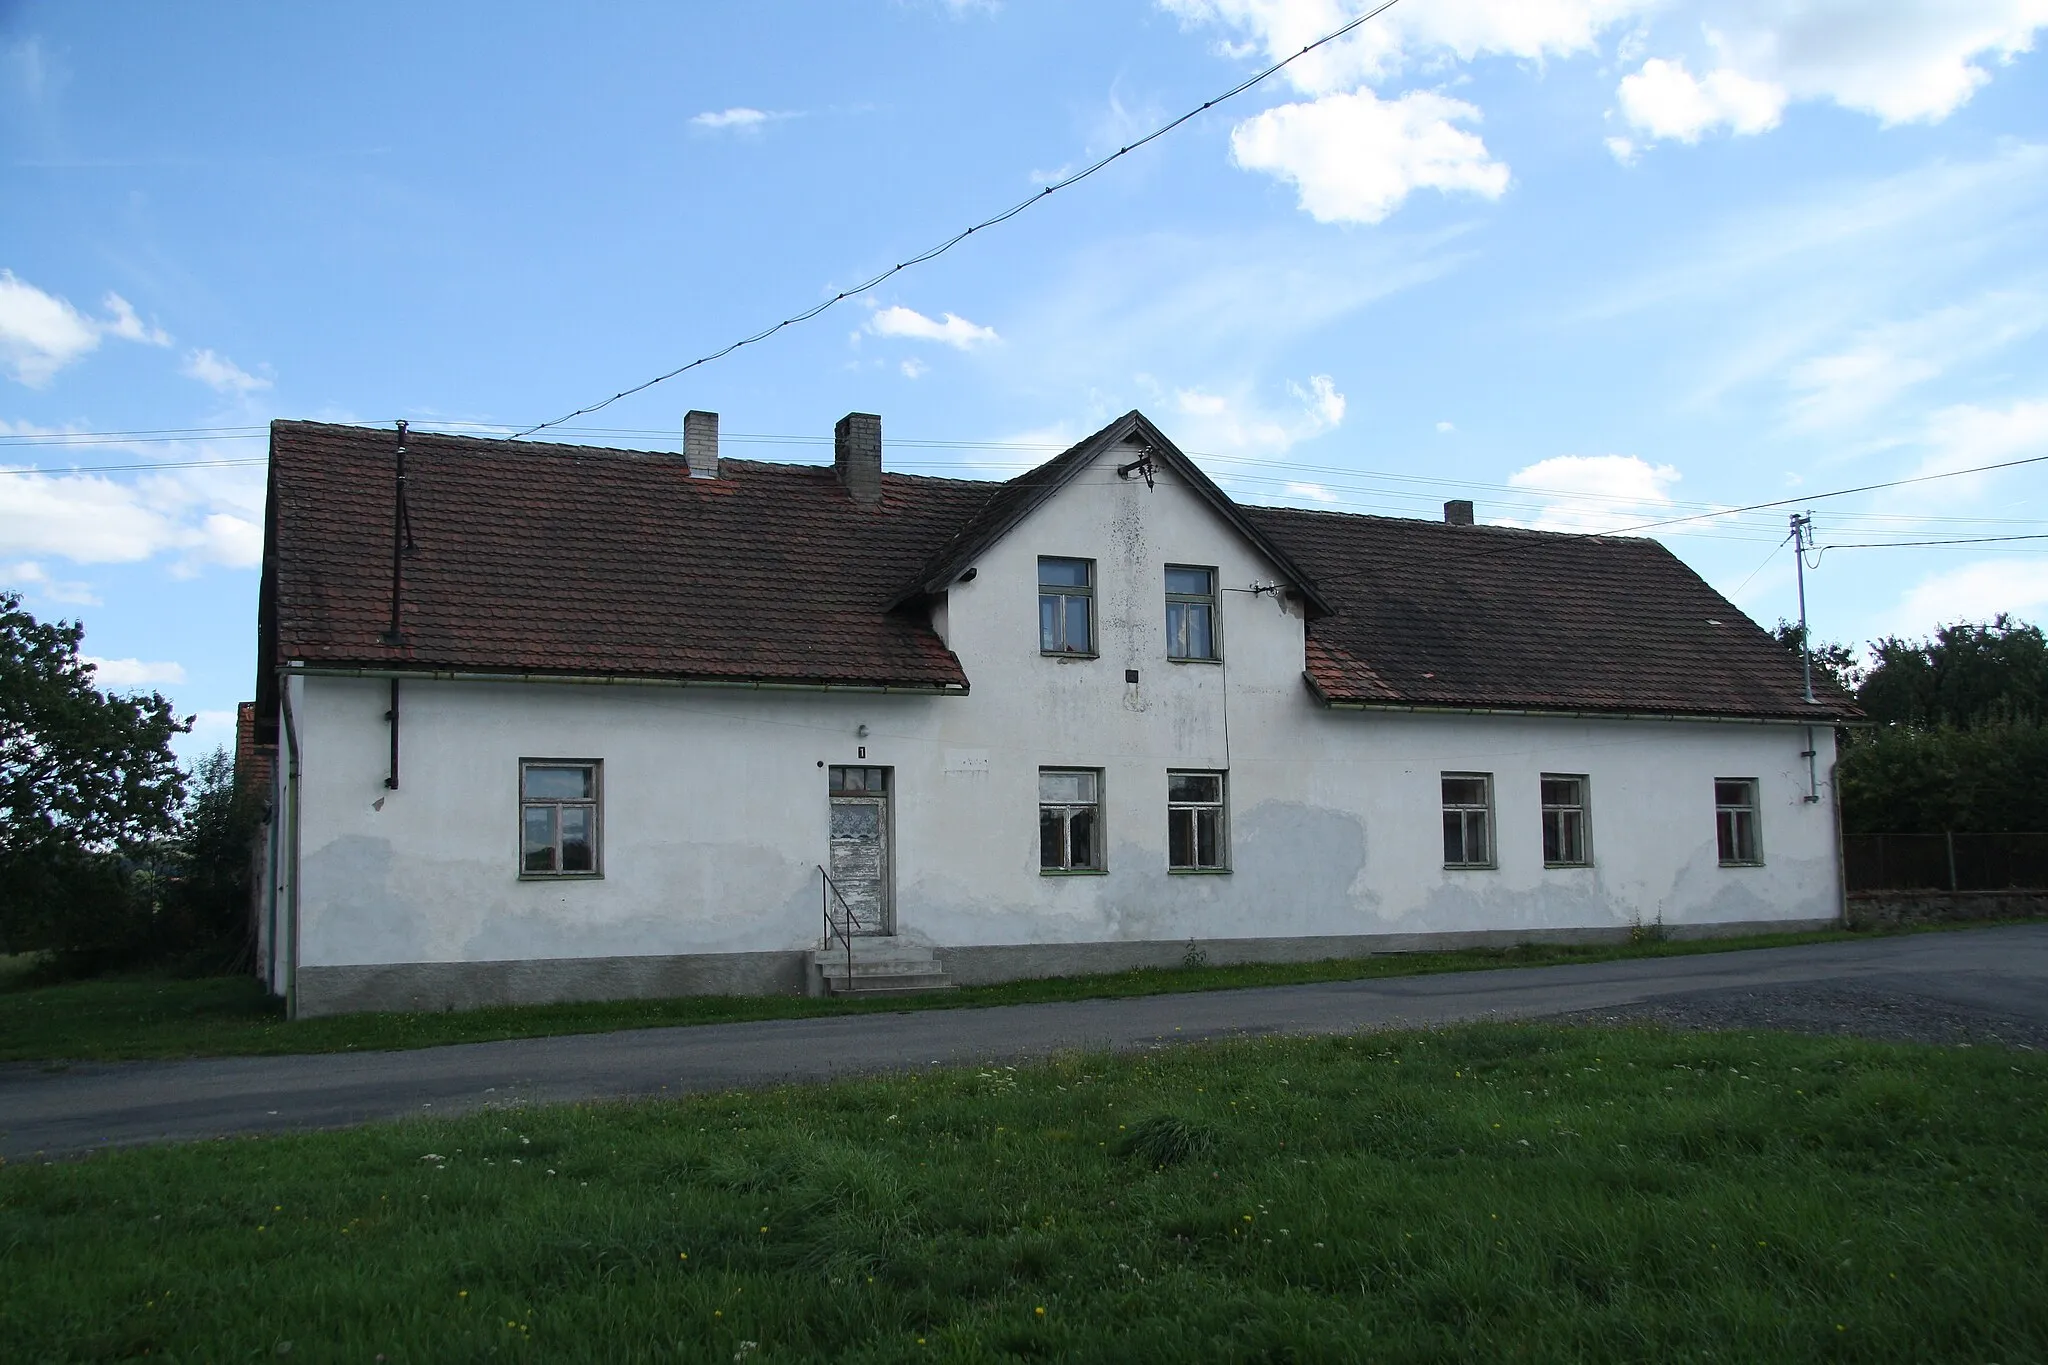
[555, 722]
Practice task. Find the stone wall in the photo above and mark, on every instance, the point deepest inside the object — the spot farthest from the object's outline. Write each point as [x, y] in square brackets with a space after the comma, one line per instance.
[1888, 909]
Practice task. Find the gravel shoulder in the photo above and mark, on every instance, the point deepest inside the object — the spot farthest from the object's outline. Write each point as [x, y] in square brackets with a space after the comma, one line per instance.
[1879, 1009]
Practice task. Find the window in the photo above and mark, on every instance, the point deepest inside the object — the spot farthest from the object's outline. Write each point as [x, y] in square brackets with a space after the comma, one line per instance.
[558, 831]
[1190, 613]
[1735, 821]
[1066, 606]
[854, 781]
[1195, 839]
[1564, 821]
[1069, 820]
[1468, 820]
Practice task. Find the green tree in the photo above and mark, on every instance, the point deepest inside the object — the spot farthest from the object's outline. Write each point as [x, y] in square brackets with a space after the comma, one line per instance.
[85, 777]
[1832, 663]
[1967, 675]
[206, 904]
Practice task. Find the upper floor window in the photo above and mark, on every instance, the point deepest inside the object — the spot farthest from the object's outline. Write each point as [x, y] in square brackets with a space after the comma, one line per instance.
[1190, 613]
[558, 826]
[1195, 834]
[1066, 606]
[1070, 820]
[1564, 821]
[1468, 819]
[1735, 821]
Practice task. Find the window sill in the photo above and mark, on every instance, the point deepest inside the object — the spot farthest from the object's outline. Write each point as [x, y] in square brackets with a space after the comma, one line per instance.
[1750, 862]
[1567, 867]
[561, 876]
[1065, 654]
[1073, 872]
[1471, 867]
[1175, 659]
[1198, 872]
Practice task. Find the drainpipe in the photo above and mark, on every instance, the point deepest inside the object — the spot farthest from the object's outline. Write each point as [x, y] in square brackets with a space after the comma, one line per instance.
[291, 857]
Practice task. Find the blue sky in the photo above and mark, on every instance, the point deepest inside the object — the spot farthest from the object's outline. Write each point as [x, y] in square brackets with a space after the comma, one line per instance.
[1588, 262]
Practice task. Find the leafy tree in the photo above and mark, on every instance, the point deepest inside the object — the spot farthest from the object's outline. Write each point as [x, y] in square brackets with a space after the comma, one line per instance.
[207, 903]
[85, 776]
[1967, 675]
[1903, 779]
[1832, 663]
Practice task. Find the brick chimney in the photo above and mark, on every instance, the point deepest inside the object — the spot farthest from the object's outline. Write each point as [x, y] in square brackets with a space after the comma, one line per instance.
[700, 444]
[1458, 512]
[857, 456]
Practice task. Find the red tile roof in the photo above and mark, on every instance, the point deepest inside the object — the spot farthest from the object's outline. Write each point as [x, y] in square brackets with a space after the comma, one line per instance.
[1435, 615]
[541, 558]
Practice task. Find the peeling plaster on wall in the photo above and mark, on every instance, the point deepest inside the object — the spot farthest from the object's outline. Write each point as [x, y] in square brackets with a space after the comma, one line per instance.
[715, 804]
[352, 902]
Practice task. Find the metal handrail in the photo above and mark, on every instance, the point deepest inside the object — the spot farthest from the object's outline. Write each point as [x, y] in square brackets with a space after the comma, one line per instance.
[828, 891]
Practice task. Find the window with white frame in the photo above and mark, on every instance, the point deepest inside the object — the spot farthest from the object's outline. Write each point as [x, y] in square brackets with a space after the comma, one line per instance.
[1735, 821]
[1190, 613]
[1468, 819]
[558, 817]
[1066, 606]
[1070, 820]
[1565, 831]
[1197, 834]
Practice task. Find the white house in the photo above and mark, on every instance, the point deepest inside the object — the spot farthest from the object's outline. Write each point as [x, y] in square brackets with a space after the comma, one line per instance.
[556, 723]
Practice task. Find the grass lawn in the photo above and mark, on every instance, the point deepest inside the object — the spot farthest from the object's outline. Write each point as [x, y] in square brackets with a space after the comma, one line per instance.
[159, 1016]
[1483, 1193]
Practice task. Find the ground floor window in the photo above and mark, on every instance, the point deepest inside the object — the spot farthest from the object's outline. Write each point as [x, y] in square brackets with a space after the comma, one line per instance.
[1468, 819]
[1735, 821]
[1564, 821]
[558, 817]
[1196, 839]
[1070, 820]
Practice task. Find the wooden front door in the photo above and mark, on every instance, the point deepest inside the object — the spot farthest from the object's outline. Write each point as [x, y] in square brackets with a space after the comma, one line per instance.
[858, 858]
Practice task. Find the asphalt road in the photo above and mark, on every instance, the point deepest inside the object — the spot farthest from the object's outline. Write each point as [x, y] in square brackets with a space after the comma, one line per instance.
[1998, 974]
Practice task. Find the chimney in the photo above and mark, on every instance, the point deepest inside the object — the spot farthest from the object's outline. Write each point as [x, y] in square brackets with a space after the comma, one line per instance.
[1458, 512]
[857, 456]
[700, 444]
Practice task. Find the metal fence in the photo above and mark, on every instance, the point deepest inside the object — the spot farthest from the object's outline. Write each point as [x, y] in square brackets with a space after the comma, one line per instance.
[1945, 862]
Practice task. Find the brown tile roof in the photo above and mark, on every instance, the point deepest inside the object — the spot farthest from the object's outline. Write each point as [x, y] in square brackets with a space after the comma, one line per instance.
[543, 558]
[535, 557]
[1431, 614]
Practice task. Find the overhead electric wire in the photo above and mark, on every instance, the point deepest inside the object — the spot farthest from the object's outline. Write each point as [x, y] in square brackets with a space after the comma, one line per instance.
[961, 236]
[1911, 544]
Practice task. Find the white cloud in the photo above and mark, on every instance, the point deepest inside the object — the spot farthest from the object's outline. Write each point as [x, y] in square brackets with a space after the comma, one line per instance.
[1445, 427]
[1355, 157]
[1236, 424]
[195, 516]
[1880, 363]
[914, 368]
[32, 580]
[221, 374]
[1406, 36]
[133, 672]
[950, 330]
[1966, 436]
[41, 333]
[1595, 492]
[1907, 61]
[1313, 492]
[1975, 592]
[1664, 100]
[739, 119]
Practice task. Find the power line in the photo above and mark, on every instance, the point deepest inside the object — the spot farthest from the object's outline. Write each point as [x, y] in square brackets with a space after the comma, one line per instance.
[961, 236]
[1909, 544]
[77, 470]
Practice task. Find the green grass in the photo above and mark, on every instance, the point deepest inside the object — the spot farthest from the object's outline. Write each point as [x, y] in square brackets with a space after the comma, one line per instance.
[1483, 1193]
[145, 1015]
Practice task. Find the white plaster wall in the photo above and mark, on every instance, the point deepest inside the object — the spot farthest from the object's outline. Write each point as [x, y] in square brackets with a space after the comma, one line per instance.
[715, 809]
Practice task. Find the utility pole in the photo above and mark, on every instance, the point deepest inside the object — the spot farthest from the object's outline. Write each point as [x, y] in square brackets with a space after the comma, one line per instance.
[1802, 541]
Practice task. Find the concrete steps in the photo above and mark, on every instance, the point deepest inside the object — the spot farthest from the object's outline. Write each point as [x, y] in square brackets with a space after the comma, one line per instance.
[882, 966]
